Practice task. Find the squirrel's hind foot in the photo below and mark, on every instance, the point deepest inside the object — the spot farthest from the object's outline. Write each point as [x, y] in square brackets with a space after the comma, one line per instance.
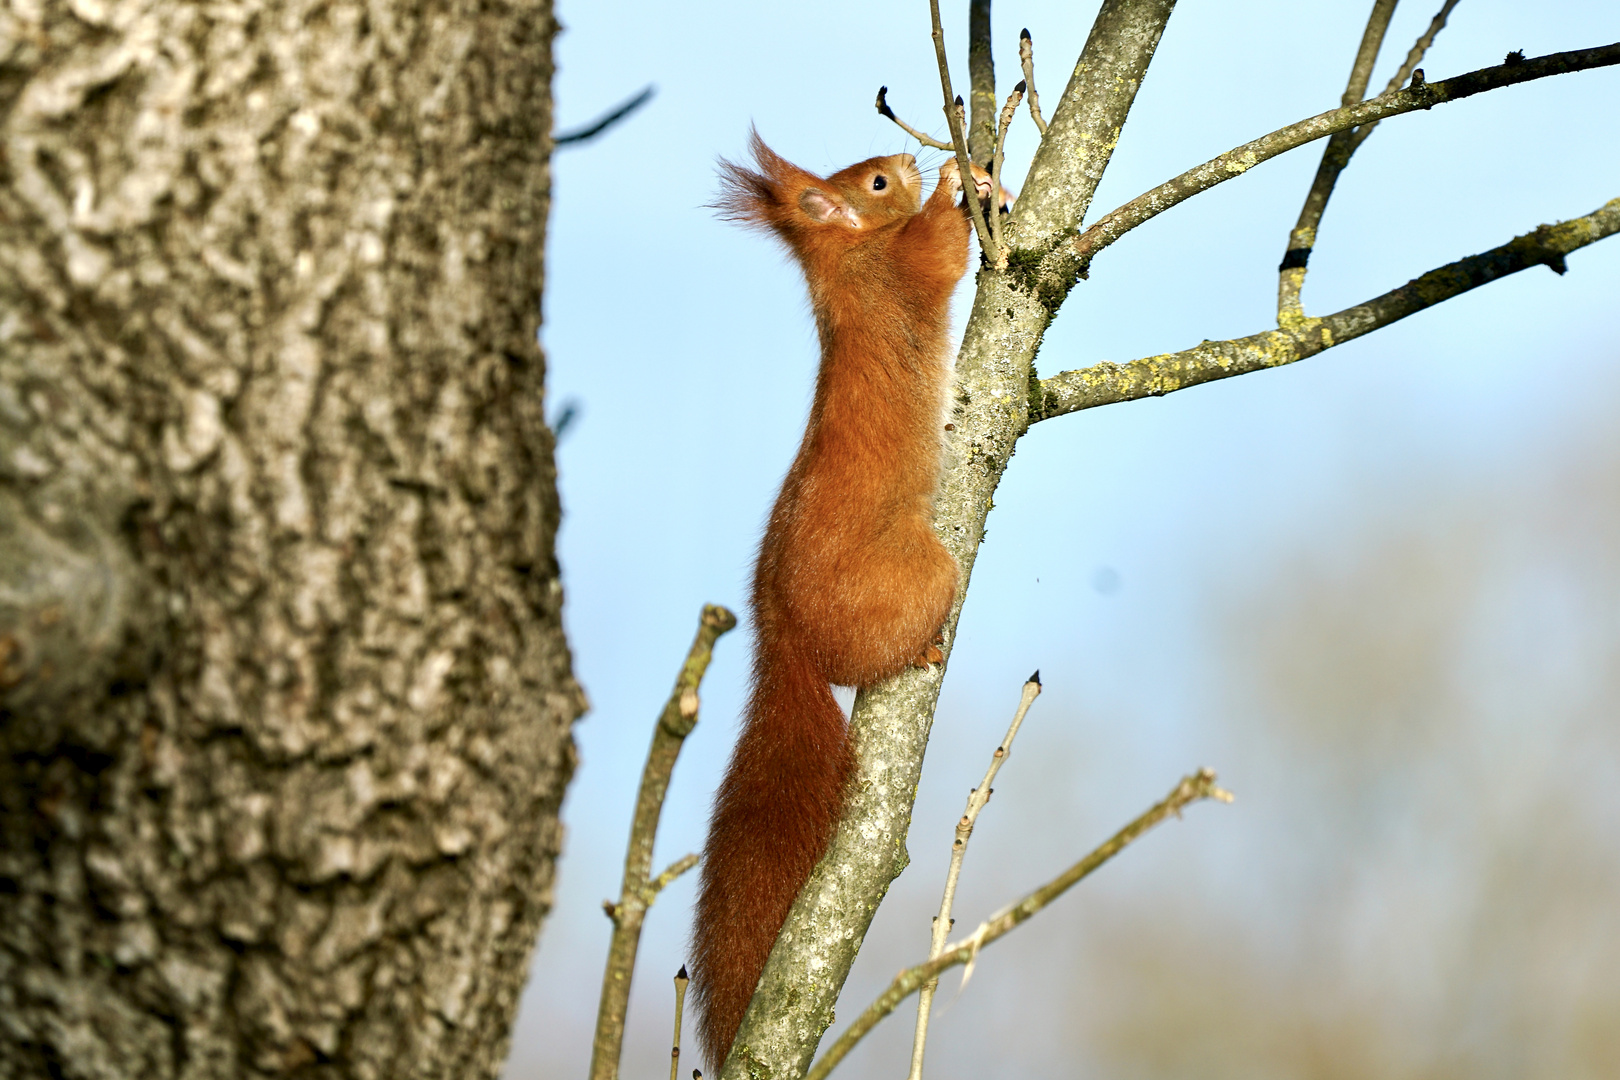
[932, 654]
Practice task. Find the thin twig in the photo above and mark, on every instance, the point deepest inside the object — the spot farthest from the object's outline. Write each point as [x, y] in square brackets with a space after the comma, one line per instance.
[1200, 785]
[636, 894]
[977, 798]
[1116, 223]
[997, 158]
[590, 131]
[953, 116]
[1079, 142]
[681, 981]
[1155, 376]
[1026, 57]
[981, 84]
[1335, 159]
[1372, 42]
[650, 891]
[884, 110]
[1414, 57]
[1336, 155]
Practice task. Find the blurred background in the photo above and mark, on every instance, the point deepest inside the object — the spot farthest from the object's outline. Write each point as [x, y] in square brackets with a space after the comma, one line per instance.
[1378, 591]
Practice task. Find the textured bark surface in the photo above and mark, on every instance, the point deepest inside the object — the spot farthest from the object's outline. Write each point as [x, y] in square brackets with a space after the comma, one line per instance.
[270, 280]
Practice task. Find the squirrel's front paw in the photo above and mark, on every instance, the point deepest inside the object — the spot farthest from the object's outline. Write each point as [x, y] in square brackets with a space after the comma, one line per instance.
[982, 184]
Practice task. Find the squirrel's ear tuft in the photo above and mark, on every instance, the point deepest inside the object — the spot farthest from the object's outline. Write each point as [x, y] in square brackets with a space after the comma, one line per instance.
[769, 161]
[776, 194]
[745, 195]
[754, 197]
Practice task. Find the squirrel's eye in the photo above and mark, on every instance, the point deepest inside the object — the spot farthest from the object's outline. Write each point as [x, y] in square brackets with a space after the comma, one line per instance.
[879, 182]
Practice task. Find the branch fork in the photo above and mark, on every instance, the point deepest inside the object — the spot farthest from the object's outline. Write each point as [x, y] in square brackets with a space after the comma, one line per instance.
[638, 891]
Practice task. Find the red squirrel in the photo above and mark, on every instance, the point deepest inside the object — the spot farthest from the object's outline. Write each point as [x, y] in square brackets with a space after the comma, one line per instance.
[851, 584]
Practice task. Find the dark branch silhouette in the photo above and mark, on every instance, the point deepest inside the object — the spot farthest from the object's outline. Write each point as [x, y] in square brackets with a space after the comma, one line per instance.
[590, 131]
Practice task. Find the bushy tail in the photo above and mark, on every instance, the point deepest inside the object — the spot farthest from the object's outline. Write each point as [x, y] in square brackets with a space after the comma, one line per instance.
[773, 818]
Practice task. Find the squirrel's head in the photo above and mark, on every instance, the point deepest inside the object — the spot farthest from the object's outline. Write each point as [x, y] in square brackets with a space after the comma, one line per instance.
[806, 210]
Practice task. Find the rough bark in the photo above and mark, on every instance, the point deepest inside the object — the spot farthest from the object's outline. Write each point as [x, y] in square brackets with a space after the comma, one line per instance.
[271, 410]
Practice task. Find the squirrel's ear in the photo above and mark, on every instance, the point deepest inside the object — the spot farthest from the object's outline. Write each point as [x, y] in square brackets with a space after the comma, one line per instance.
[823, 208]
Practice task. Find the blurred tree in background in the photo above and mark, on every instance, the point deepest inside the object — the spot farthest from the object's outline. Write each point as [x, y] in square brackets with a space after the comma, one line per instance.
[284, 698]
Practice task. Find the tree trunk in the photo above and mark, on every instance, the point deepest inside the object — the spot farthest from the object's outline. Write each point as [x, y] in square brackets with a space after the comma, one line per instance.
[284, 698]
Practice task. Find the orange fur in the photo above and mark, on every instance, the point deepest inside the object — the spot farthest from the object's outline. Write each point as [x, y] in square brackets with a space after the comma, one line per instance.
[851, 584]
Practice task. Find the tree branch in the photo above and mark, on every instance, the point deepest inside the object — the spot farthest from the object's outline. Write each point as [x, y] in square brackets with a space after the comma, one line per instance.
[1336, 156]
[576, 136]
[978, 799]
[883, 109]
[998, 158]
[1085, 126]
[650, 891]
[953, 117]
[1372, 40]
[981, 85]
[681, 982]
[1409, 66]
[1154, 376]
[1235, 162]
[1291, 275]
[1026, 59]
[991, 409]
[675, 723]
[1198, 786]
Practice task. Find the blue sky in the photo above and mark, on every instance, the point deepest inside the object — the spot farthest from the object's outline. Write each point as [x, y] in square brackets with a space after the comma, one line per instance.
[687, 349]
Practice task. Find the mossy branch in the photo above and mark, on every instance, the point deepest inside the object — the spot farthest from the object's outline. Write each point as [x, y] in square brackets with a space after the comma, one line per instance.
[1154, 376]
[1116, 223]
[1078, 142]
